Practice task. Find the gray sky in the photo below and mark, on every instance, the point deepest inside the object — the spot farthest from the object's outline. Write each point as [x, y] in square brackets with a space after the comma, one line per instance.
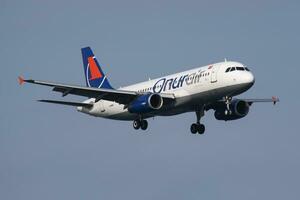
[53, 152]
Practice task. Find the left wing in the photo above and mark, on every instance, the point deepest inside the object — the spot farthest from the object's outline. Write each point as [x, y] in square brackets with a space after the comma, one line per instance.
[215, 105]
[251, 101]
[120, 96]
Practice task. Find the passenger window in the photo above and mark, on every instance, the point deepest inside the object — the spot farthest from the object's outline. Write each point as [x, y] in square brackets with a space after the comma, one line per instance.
[227, 70]
[240, 68]
[232, 69]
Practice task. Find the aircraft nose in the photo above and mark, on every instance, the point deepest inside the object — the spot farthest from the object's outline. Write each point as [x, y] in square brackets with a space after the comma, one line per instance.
[249, 78]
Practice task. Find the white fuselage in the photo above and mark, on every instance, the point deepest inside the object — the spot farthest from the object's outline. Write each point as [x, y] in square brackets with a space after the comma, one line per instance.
[191, 89]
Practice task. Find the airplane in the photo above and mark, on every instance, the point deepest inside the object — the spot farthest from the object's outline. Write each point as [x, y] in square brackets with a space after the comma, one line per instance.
[198, 90]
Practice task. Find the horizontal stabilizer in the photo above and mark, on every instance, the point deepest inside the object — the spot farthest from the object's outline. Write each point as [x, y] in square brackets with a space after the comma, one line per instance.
[68, 103]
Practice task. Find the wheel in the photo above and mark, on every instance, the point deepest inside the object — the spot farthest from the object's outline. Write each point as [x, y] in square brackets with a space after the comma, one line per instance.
[227, 112]
[136, 124]
[201, 128]
[144, 124]
[194, 128]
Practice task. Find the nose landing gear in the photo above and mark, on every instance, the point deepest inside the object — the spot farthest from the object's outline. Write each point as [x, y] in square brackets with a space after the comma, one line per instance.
[228, 102]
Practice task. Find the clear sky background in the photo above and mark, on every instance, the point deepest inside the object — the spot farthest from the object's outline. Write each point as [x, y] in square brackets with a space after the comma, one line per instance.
[54, 152]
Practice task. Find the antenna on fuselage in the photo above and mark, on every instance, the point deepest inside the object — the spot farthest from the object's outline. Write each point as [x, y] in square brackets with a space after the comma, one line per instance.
[225, 60]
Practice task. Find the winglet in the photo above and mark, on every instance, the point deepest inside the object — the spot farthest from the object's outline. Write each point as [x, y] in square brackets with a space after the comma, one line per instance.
[21, 80]
[275, 100]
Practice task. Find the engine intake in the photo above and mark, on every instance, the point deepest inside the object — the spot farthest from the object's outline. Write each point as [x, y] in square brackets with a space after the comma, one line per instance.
[238, 107]
[146, 103]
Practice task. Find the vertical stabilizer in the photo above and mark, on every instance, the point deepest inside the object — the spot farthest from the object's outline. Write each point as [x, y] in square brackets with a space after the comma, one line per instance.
[94, 75]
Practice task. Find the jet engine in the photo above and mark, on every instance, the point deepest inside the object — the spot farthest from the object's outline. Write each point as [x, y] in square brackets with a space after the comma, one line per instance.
[146, 103]
[238, 108]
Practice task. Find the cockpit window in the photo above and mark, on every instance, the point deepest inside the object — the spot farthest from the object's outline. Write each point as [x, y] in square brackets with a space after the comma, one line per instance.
[230, 69]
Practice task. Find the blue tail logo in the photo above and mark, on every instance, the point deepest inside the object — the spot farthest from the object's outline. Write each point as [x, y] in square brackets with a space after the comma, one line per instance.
[94, 75]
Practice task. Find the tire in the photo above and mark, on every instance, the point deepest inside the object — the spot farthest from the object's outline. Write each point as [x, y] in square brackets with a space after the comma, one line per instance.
[136, 124]
[201, 129]
[144, 124]
[194, 128]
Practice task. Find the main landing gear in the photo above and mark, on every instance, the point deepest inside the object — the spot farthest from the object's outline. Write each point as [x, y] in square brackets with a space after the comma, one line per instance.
[140, 123]
[198, 127]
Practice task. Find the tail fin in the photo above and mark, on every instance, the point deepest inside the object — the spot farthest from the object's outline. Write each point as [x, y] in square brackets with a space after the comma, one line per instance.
[94, 75]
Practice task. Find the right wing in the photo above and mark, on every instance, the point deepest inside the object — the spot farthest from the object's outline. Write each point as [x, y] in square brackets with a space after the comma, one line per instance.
[120, 96]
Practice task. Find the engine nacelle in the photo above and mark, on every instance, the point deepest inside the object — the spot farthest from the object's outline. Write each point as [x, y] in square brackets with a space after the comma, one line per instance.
[146, 103]
[239, 109]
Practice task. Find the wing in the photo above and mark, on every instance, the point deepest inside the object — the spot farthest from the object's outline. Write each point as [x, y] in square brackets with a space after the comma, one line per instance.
[251, 101]
[216, 104]
[119, 96]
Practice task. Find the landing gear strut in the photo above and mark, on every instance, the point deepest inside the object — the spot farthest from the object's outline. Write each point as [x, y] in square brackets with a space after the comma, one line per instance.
[198, 127]
[140, 123]
[227, 102]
